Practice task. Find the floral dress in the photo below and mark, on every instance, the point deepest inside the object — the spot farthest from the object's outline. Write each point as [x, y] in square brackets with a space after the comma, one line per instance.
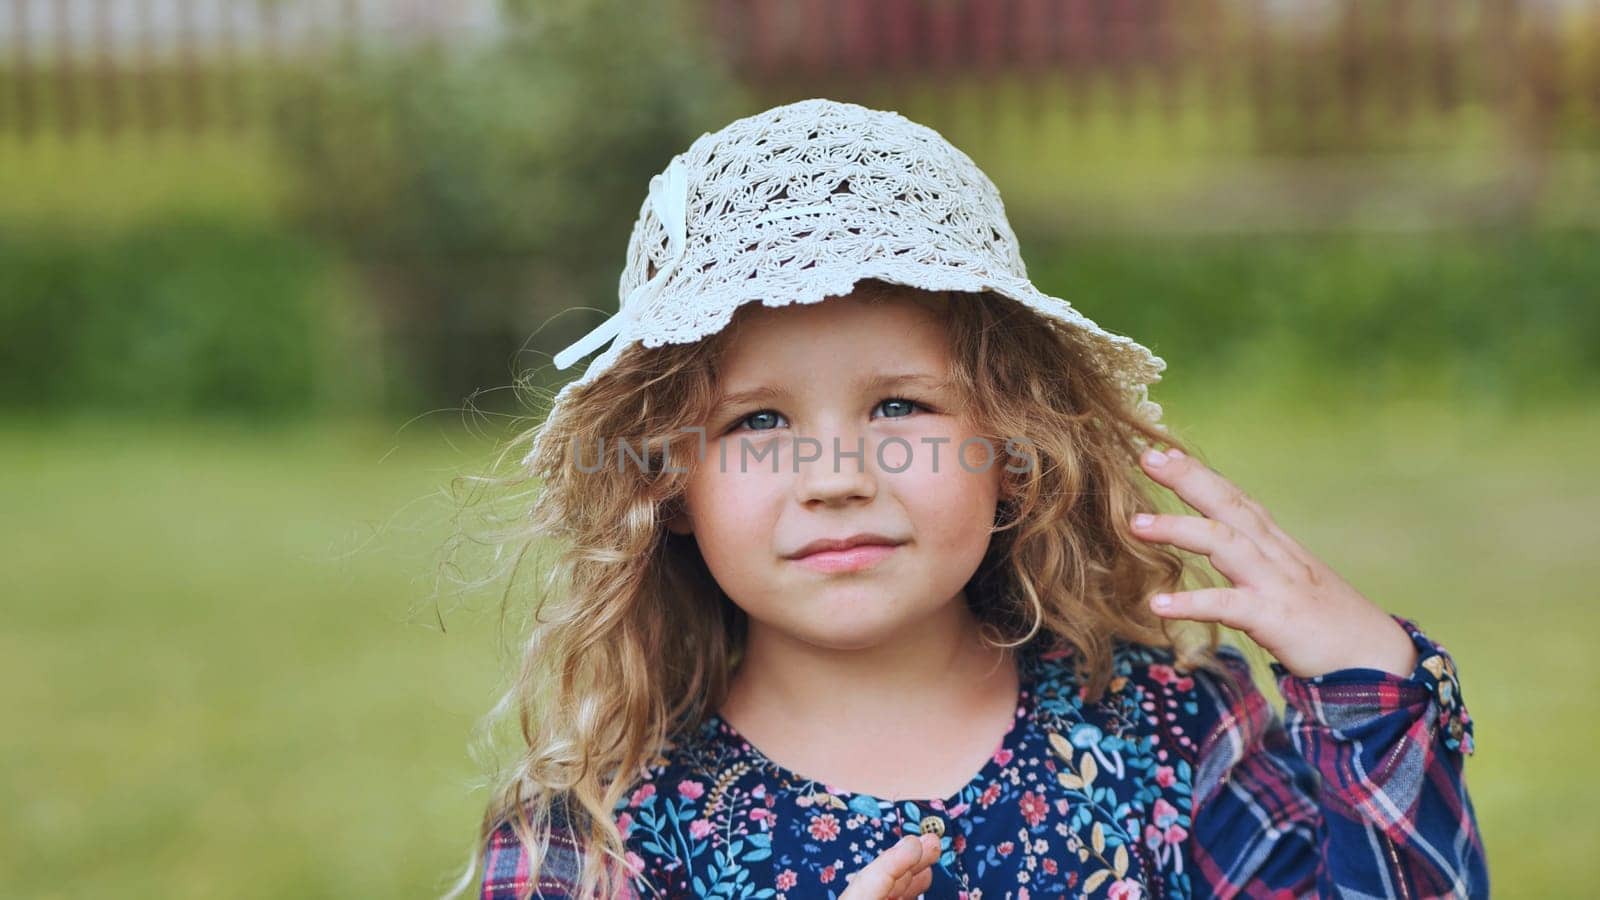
[1171, 785]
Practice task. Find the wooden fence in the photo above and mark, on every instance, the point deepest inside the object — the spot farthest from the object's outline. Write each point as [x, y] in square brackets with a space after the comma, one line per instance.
[112, 68]
[1314, 75]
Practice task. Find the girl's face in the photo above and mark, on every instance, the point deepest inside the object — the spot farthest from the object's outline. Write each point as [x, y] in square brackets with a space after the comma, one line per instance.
[834, 422]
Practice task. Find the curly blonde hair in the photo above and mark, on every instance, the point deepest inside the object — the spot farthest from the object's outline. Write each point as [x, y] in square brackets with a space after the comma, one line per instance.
[604, 684]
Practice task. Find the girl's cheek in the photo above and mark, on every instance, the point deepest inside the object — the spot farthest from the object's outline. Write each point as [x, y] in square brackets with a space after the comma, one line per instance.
[950, 488]
[746, 498]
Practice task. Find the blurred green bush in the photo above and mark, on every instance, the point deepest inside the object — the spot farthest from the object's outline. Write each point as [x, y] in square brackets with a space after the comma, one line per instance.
[200, 315]
[1489, 317]
[181, 317]
[484, 190]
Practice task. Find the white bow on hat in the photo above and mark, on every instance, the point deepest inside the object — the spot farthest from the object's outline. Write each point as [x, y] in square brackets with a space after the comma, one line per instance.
[669, 198]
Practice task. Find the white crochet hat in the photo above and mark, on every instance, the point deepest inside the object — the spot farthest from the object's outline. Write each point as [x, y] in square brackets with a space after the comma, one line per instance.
[798, 203]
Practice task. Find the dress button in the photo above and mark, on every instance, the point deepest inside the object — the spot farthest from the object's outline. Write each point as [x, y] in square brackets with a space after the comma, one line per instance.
[933, 824]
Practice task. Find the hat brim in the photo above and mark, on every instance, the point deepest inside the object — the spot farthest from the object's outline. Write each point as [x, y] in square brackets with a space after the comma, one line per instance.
[1132, 364]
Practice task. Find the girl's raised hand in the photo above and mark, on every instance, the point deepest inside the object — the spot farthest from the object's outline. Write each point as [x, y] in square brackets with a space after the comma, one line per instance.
[901, 872]
[1283, 597]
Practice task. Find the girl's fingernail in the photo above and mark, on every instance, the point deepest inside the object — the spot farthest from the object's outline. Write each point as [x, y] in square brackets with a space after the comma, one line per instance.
[1154, 457]
[1162, 600]
[1175, 453]
[1143, 519]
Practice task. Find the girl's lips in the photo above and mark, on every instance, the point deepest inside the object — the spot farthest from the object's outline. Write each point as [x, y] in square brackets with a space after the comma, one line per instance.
[863, 556]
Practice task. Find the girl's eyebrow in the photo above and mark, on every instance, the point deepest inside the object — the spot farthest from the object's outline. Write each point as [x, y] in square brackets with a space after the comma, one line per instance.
[873, 382]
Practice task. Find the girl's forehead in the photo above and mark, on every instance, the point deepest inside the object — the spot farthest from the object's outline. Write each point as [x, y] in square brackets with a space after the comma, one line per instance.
[875, 329]
[799, 354]
[910, 316]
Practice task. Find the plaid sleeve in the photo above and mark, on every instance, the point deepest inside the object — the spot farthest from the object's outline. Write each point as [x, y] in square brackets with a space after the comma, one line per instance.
[505, 868]
[1358, 791]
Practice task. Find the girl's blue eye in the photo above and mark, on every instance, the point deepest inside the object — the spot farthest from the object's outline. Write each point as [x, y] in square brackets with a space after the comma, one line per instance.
[909, 404]
[756, 415]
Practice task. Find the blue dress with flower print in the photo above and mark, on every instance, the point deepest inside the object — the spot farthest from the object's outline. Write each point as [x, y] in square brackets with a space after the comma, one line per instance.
[1173, 784]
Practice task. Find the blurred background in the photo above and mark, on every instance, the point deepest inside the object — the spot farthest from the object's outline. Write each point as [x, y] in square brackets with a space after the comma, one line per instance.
[274, 272]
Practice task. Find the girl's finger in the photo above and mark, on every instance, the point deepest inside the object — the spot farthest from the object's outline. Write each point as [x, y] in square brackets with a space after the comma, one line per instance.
[917, 885]
[1215, 496]
[1230, 550]
[896, 872]
[910, 885]
[920, 878]
[1207, 490]
[1228, 606]
[885, 877]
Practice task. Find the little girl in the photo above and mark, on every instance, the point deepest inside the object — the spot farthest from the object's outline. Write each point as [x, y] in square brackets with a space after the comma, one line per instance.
[861, 591]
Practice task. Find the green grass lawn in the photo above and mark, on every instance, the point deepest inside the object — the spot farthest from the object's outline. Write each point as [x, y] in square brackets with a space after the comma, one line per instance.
[95, 184]
[227, 677]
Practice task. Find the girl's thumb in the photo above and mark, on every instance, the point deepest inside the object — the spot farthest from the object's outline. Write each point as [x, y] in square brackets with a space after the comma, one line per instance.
[891, 871]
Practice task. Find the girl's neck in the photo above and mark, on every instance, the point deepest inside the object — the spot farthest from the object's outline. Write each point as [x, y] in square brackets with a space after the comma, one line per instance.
[846, 716]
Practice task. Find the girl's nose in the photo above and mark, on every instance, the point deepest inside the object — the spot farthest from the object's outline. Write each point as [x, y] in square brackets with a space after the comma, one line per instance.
[834, 469]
